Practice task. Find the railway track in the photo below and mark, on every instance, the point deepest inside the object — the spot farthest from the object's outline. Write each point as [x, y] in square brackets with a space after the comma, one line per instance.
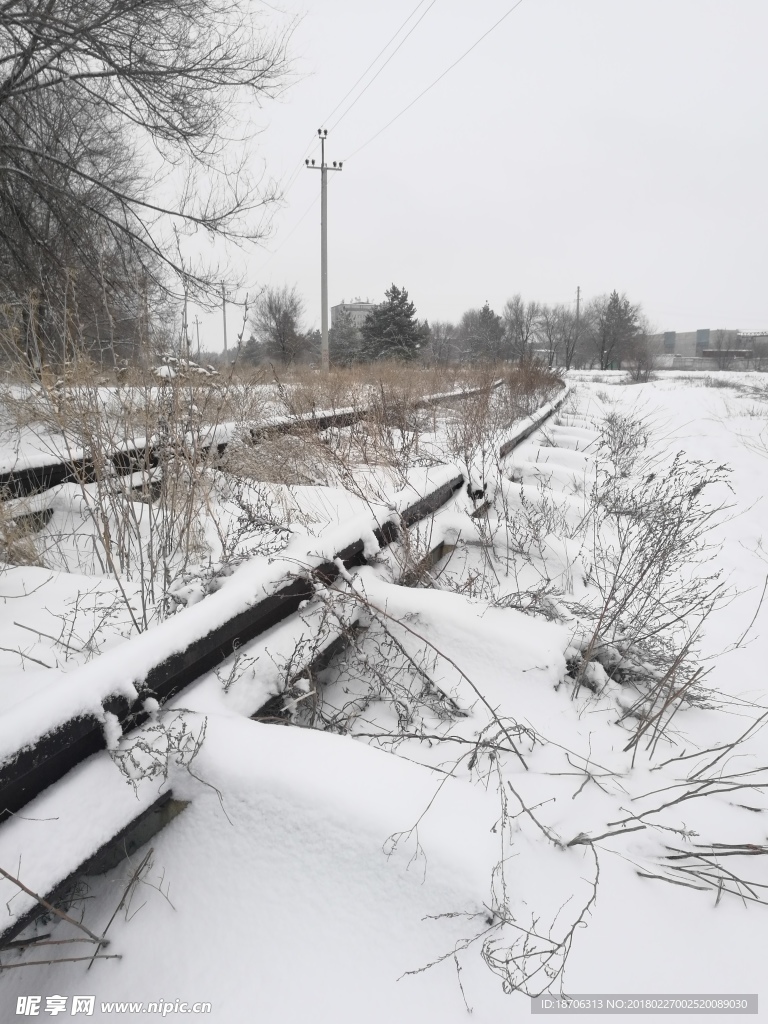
[41, 745]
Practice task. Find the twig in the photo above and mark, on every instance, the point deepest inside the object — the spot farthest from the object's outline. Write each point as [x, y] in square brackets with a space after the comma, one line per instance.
[754, 617]
[54, 910]
[458, 978]
[543, 828]
[42, 940]
[27, 593]
[673, 881]
[582, 839]
[47, 636]
[63, 960]
[21, 654]
[719, 850]
[735, 743]
[14, 943]
[131, 884]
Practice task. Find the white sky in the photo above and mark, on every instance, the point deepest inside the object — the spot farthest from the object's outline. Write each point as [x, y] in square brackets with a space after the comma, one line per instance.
[601, 143]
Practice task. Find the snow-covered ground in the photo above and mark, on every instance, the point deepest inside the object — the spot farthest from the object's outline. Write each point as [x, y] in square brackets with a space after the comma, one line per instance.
[439, 795]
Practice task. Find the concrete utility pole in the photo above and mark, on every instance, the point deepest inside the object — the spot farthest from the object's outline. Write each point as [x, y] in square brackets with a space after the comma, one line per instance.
[197, 327]
[323, 168]
[224, 313]
[578, 300]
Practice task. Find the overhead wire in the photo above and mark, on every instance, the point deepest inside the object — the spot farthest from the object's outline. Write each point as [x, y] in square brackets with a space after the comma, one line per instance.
[362, 92]
[379, 54]
[311, 206]
[293, 176]
[295, 228]
[435, 82]
[299, 166]
[313, 143]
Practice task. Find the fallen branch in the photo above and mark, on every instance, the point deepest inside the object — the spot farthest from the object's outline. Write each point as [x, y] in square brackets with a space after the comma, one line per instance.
[128, 889]
[54, 910]
[583, 840]
[62, 960]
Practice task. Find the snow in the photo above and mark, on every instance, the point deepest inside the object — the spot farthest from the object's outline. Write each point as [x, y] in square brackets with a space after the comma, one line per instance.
[313, 868]
[59, 831]
[291, 880]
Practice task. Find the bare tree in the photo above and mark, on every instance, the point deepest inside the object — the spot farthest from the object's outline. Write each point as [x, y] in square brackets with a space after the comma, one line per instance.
[520, 321]
[570, 334]
[78, 287]
[110, 78]
[549, 332]
[640, 355]
[442, 343]
[560, 332]
[276, 322]
[467, 333]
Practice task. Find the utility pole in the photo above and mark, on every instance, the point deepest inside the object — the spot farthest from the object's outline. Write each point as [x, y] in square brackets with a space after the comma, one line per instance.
[184, 331]
[323, 168]
[224, 313]
[578, 300]
[197, 328]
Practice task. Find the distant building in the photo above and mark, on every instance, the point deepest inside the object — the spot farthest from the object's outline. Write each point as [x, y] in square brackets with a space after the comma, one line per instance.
[357, 310]
[706, 348]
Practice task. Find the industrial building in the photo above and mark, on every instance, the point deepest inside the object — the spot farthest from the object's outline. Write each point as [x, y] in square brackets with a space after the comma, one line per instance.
[710, 349]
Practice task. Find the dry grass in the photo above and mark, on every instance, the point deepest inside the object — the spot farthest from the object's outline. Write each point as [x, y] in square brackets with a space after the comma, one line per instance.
[398, 384]
[17, 536]
[185, 511]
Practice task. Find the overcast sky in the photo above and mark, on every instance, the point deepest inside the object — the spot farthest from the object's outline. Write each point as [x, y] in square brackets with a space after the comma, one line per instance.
[602, 143]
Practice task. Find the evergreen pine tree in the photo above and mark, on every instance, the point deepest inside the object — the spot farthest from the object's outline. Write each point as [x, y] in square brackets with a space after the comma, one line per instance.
[490, 331]
[617, 324]
[252, 352]
[391, 330]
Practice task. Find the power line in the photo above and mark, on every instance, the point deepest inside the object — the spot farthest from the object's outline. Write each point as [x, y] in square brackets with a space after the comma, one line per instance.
[293, 176]
[381, 51]
[438, 79]
[389, 58]
[294, 229]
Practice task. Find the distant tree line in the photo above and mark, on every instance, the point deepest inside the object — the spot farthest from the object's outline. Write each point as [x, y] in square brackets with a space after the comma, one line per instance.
[609, 332]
